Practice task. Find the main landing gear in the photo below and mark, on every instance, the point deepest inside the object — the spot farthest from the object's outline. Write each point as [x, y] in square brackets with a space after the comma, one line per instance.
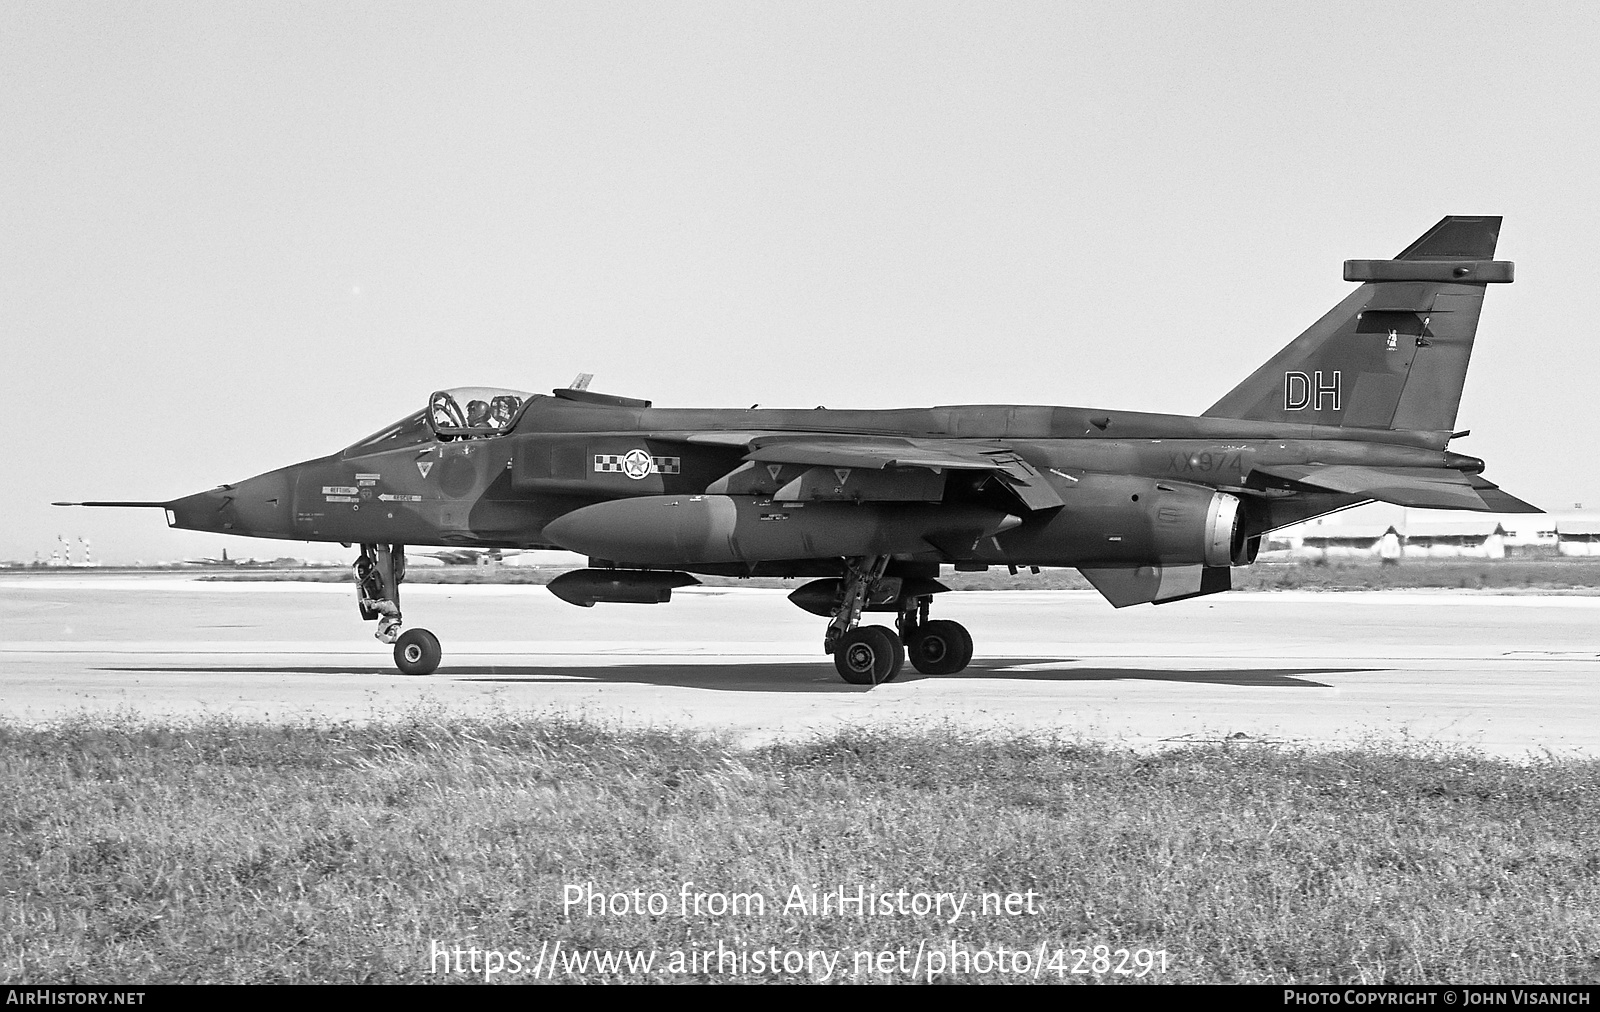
[379, 572]
[872, 654]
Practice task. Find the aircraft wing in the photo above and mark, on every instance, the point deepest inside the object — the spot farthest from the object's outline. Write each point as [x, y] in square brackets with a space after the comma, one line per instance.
[883, 452]
[936, 455]
[1433, 488]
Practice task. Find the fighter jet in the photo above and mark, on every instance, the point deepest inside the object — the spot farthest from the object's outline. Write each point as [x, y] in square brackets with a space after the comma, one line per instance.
[1151, 508]
[467, 556]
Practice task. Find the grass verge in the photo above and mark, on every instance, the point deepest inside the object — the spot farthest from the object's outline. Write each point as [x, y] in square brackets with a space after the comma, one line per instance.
[221, 851]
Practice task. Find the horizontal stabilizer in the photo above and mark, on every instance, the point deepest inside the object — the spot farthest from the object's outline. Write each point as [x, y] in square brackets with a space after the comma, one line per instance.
[1505, 502]
[156, 505]
[1500, 501]
[1429, 487]
[1157, 584]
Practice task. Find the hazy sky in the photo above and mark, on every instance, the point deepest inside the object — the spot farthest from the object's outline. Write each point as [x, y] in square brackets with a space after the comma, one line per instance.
[233, 236]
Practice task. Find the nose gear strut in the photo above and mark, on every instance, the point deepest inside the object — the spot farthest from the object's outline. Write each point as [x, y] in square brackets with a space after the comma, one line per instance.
[379, 572]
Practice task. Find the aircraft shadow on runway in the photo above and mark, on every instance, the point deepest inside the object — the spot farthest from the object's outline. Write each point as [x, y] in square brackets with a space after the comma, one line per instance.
[788, 676]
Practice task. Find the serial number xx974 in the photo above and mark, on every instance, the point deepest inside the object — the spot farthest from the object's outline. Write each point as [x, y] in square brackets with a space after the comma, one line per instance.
[1206, 462]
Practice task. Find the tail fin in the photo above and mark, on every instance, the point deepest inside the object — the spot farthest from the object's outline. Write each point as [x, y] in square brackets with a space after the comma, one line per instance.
[1392, 355]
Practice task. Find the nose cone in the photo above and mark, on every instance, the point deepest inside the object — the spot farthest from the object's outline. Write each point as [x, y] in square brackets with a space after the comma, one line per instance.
[257, 507]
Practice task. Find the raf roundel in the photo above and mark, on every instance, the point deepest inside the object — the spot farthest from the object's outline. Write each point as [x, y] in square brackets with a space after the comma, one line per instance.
[636, 464]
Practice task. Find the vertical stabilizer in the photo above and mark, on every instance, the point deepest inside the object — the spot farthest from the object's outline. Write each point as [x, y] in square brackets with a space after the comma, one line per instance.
[1394, 353]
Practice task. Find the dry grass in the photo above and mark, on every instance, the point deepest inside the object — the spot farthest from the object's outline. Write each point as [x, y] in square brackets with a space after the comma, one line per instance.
[225, 851]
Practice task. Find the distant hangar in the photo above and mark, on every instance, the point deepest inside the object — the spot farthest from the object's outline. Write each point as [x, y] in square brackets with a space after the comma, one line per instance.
[1436, 534]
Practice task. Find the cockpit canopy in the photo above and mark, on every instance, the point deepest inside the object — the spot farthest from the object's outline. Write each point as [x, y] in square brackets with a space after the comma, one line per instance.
[469, 412]
[458, 413]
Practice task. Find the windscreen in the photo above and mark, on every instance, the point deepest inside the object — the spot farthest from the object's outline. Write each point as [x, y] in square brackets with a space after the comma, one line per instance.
[474, 412]
[407, 431]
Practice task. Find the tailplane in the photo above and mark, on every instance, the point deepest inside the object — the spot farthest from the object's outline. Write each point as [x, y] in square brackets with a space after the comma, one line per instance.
[1394, 353]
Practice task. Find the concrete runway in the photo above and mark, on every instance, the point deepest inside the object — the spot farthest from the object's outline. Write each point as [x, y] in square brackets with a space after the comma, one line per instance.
[1517, 676]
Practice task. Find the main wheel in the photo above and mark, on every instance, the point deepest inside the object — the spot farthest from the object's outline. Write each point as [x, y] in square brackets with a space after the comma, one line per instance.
[940, 647]
[868, 655]
[417, 652]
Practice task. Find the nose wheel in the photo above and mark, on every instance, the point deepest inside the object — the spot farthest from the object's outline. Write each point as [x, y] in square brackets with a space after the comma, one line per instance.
[417, 652]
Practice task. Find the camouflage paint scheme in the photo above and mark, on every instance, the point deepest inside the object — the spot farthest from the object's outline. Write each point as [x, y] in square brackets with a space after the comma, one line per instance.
[1151, 507]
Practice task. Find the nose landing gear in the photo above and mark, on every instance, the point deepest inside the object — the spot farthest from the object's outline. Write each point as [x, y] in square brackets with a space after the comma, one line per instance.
[379, 571]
